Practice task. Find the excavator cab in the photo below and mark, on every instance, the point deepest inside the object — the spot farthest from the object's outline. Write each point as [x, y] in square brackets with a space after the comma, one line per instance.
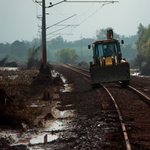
[108, 65]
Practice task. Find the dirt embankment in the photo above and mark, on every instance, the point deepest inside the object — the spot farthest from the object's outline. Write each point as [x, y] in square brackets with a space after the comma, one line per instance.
[19, 89]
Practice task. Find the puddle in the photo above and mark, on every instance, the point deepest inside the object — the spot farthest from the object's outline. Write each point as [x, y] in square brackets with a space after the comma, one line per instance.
[67, 88]
[38, 139]
[46, 134]
[43, 139]
[35, 105]
[50, 131]
[54, 125]
[13, 77]
[135, 74]
[66, 114]
[62, 114]
[9, 68]
[69, 105]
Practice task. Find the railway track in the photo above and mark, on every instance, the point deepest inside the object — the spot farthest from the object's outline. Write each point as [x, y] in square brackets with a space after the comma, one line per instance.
[86, 73]
[109, 87]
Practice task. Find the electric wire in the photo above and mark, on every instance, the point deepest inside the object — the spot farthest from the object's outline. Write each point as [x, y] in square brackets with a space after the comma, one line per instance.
[61, 21]
[58, 11]
[91, 14]
[86, 18]
[88, 9]
[57, 30]
[81, 16]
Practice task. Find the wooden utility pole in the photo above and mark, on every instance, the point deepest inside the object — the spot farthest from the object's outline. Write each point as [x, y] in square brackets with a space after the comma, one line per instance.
[44, 56]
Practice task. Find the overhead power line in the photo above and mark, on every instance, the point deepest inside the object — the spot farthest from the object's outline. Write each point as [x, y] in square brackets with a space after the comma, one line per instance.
[81, 2]
[61, 21]
[91, 1]
[44, 56]
[59, 34]
[57, 30]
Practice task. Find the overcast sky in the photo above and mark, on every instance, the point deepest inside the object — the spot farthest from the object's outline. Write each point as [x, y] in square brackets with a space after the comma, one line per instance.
[18, 19]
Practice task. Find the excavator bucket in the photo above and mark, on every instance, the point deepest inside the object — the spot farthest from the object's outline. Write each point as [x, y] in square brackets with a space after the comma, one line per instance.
[110, 73]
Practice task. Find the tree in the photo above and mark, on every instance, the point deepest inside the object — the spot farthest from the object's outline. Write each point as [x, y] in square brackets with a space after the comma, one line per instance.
[143, 42]
[4, 48]
[128, 51]
[18, 48]
[35, 53]
[33, 56]
[66, 55]
[148, 49]
[56, 43]
[143, 49]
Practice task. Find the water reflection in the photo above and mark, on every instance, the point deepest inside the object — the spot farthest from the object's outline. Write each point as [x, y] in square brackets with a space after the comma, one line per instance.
[135, 74]
[9, 68]
[43, 139]
[62, 114]
[53, 125]
[57, 124]
[13, 77]
[67, 88]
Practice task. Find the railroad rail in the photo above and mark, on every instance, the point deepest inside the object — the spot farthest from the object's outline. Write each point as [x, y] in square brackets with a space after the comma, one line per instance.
[87, 74]
[137, 107]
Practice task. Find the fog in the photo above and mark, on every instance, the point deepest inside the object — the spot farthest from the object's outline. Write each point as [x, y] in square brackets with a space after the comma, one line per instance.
[18, 19]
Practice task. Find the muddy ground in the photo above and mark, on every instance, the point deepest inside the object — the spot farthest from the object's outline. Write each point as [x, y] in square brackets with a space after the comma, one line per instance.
[86, 126]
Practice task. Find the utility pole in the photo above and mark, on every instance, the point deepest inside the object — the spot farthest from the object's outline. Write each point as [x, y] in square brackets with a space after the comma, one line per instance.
[44, 56]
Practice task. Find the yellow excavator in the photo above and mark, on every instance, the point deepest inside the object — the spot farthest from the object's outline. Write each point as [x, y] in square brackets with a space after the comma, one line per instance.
[108, 64]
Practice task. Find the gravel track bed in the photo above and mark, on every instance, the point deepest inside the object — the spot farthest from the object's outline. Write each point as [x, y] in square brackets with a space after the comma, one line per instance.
[135, 112]
[95, 127]
[136, 115]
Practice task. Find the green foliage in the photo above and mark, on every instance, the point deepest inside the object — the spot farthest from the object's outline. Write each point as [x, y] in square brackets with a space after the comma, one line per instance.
[9, 57]
[18, 48]
[26, 49]
[33, 56]
[66, 55]
[128, 51]
[143, 42]
[142, 61]
[12, 57]
[4, 48]
[35, 53]
[4, 63]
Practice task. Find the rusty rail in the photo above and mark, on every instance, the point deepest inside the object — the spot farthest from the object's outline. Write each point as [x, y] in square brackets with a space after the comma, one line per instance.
[79, 70]
[146, 97]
